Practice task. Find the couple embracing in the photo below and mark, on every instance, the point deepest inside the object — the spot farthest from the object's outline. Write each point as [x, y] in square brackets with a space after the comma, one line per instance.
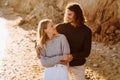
[63, 46]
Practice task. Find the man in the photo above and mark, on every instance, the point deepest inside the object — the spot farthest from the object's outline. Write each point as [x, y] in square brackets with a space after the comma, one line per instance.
[79, 38]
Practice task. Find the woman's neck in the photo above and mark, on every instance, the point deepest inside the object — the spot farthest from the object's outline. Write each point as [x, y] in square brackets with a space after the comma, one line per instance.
[51, 36]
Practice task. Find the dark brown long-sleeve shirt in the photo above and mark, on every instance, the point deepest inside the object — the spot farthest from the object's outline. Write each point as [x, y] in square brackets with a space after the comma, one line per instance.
[79, 39]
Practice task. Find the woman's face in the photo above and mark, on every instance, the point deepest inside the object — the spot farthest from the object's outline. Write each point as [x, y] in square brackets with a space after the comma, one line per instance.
[50, 28]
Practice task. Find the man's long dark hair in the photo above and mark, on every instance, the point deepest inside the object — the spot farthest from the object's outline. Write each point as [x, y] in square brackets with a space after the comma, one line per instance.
[79, 17]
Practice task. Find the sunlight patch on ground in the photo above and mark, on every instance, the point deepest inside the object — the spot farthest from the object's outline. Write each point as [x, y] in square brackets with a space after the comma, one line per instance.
[3, 40]
[3, 34]
[92, 72]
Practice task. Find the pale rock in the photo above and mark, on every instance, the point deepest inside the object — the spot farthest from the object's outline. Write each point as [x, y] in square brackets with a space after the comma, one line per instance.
[95, 65]
[102, 15]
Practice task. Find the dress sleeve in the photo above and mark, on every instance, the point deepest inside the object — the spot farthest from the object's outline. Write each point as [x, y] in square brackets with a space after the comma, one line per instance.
[65, 45]
[49, 61]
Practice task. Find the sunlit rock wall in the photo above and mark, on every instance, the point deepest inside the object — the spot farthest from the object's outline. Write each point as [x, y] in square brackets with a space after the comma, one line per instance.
[103, 16]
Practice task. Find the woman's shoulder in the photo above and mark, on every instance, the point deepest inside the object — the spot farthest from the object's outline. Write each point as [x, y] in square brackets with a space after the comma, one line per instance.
[62, 36]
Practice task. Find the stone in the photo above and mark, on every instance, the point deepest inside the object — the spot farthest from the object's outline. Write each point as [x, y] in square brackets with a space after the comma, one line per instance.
[103, 16]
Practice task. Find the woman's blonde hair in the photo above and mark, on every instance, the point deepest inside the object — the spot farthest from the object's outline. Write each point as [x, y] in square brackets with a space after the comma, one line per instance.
[41, 35]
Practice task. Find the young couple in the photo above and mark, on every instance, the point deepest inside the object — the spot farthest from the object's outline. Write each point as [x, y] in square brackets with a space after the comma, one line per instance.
[66, 45]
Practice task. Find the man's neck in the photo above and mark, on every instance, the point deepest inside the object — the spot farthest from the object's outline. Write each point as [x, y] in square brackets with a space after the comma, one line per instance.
[73, 24]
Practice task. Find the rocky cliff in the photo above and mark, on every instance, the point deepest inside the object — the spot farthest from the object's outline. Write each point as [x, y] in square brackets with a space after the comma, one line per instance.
[103, 16]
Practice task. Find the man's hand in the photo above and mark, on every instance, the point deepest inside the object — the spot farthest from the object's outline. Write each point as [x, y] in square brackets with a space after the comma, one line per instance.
[38, 51]
[66, 58]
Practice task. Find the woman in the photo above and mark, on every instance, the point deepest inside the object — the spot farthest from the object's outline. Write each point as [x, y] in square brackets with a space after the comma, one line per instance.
[55, 51]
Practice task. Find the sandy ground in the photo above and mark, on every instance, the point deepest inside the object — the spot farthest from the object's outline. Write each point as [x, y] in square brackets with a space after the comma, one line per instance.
[18, 58]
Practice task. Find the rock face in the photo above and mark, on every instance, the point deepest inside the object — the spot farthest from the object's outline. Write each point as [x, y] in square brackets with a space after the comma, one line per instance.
[105, 23]
[103, 16]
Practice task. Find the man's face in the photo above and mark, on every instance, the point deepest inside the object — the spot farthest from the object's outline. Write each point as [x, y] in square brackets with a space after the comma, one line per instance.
[70, 16]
